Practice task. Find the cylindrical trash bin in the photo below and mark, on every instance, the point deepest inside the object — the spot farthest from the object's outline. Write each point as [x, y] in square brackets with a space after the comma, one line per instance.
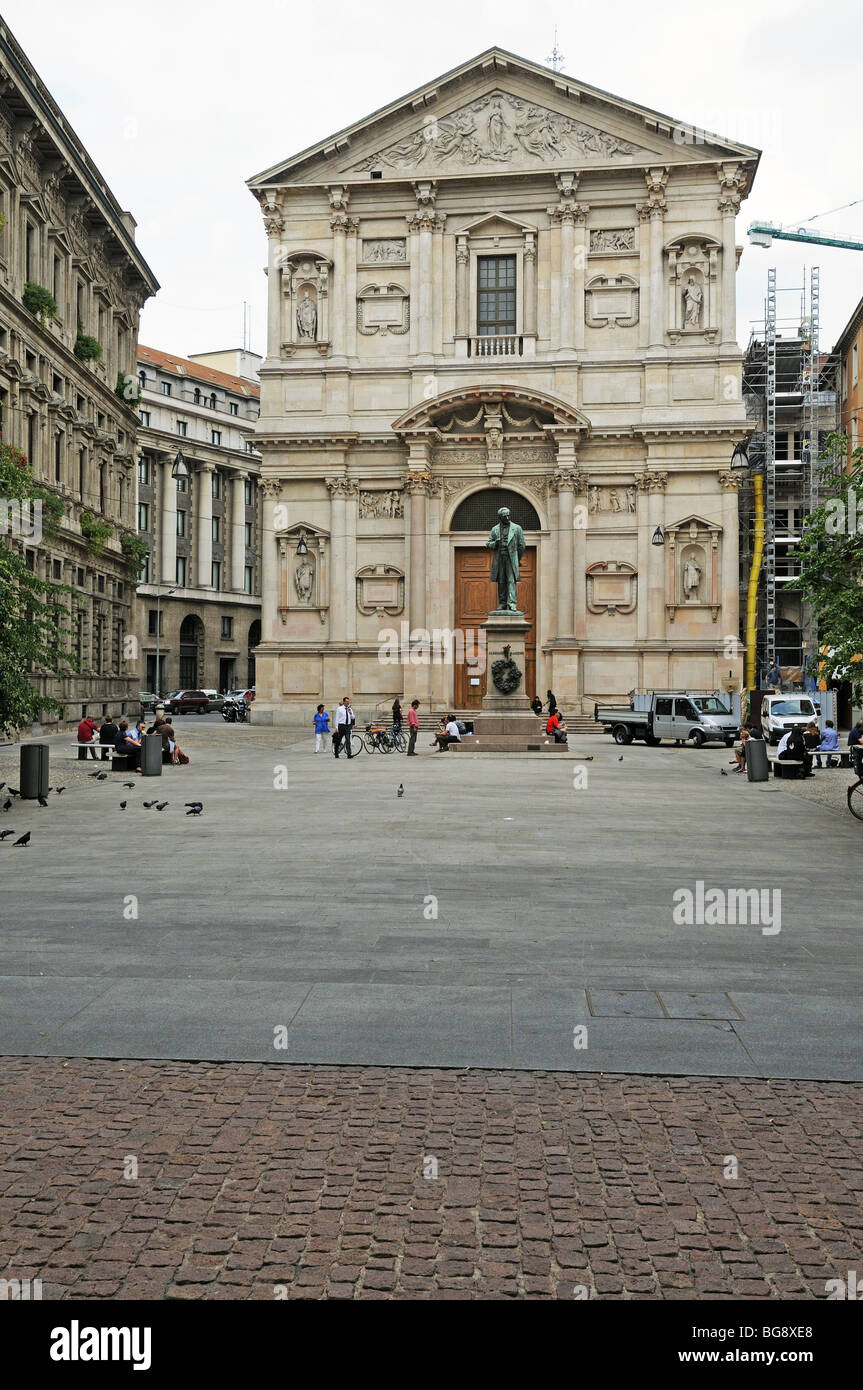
[151, 755]
[757, 762]
[34, 771]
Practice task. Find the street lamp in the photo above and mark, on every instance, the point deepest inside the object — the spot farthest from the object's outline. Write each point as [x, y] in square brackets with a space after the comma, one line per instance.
[180, 468]
[158, 679]
[657, 538]
[739, 457]
[302, 548]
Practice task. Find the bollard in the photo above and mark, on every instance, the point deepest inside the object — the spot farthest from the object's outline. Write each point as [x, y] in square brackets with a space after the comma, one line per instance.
[34, 771]
[757, 762]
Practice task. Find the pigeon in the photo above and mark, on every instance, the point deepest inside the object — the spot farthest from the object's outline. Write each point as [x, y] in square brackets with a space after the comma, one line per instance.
[60, 791]
[123, 805]
[2, 785]
[4, 834]
[7, 804]
[401, 790]
[42, 801]
[193, 803]
[722, 772]
[25, 839]
[620, 759]
[92, 774]
[195, 811]
[128, 784]
[160, 806]
[13, 791]
[100, 776]
[148, 805]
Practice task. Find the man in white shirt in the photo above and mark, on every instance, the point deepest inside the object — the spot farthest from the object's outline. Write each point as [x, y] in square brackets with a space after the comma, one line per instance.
[449, 735]
[344, 724]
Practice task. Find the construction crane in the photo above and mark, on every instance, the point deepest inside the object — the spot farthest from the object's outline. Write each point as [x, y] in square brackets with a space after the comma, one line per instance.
[764, 233]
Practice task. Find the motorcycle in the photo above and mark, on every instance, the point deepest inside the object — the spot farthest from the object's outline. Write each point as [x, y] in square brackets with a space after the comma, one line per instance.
[234, 710]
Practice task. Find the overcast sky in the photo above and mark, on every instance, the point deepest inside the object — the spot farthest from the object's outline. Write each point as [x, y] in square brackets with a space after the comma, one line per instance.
[179, 103]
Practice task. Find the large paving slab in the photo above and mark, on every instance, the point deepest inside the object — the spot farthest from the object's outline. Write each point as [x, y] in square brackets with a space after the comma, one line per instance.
[476, 921]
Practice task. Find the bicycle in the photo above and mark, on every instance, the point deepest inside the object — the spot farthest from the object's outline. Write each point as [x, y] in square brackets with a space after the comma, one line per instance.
[855, 791]
[377, 739]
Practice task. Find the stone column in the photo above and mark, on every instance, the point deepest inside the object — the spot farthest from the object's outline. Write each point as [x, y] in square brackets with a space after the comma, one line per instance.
[274, 223]
[462, 292]
[338, 296]
[657, 180]
[204, 524]
[351, 228]
[350, 513]
[656, 559]
[581, 237]
[642, 483]
[729, 204]
[564, 483]
[643, 210]
[270, 589]
[730, 483]
[338, 489]
[529, 289]
[567, 273]
[168, 574]
[418, 490]
[238, 531]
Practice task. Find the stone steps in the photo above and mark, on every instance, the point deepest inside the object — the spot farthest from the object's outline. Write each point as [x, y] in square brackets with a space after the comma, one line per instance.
[506, 743]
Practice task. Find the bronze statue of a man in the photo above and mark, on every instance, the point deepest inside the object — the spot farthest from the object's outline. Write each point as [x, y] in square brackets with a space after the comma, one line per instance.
[507, 542]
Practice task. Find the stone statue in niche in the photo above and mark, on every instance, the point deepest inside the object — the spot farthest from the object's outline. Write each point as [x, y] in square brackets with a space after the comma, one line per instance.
[614, 500]
[691, 579]
[307, 317]
[593, 500]
[693, 297]
[304, 580]
[631, 499]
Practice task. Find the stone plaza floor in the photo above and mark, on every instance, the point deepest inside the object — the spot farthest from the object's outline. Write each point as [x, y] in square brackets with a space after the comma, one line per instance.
[323, 1040]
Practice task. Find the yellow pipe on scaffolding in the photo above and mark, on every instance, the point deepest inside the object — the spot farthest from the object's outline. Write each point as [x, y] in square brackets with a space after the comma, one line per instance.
[754, 576]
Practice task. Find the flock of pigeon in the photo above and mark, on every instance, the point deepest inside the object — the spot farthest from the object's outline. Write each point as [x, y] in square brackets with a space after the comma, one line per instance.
[194, 808]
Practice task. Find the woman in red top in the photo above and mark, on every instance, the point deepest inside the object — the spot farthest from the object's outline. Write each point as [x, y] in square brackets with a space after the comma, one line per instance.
[556, 726]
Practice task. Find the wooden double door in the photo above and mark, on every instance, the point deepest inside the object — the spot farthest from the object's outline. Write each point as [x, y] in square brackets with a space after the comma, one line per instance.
[475, 597]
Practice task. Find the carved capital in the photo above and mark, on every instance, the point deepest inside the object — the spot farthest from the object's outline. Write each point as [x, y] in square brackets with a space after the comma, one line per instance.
[731, 481]
[643, 210]
[271, 488]
[340, 222]
[342, 487]
[462, 250]
[418, 484]
[656, 482]
[729, 204]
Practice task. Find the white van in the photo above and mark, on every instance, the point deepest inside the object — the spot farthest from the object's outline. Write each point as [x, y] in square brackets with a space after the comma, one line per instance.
[779, 713]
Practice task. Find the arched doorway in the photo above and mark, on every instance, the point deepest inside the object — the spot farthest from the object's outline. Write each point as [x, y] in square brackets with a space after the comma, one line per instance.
[254, 641]
[476, 595]
[191, 652]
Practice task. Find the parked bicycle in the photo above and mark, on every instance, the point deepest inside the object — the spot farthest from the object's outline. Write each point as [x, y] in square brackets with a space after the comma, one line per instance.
[377, 738]
[855, 791]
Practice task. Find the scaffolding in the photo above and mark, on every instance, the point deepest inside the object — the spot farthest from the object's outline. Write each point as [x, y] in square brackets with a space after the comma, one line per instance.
[790, 395]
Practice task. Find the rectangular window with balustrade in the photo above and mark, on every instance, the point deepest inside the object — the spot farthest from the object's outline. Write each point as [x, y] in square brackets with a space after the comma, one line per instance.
[495, 309]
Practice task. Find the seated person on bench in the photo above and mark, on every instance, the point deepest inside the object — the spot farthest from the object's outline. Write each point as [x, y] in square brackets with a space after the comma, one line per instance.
[829, 744]
[792, 748]
[127, 747]
[449, 734]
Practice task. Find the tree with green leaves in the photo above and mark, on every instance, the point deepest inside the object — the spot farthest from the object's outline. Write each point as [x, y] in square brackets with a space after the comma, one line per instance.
[830, 555]
[33, 614]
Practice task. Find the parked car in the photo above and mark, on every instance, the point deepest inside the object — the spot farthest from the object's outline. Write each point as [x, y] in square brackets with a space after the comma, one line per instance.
[216, 700]
[187, 702]
[149, 701]
[247, 695]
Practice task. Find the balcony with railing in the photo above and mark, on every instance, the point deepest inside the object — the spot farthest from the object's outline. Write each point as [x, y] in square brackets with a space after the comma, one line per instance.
[496, 345]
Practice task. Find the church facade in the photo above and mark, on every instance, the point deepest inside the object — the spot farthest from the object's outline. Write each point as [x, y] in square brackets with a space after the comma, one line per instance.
[504, 289]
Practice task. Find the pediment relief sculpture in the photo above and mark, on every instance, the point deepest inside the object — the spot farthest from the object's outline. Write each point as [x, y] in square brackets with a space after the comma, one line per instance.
[498, 129]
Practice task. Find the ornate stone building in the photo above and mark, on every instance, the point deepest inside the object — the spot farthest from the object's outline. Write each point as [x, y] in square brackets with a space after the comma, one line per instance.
[199, 596]
[506, 287]
[71, 411]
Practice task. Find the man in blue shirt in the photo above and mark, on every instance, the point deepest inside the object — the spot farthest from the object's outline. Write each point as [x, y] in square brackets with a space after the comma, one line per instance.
[829, 743]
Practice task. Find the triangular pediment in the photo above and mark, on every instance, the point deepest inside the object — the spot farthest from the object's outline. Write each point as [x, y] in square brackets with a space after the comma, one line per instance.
[500, 114]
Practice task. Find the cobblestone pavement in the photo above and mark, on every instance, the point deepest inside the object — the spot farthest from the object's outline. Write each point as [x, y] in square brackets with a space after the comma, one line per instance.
[306, 1181]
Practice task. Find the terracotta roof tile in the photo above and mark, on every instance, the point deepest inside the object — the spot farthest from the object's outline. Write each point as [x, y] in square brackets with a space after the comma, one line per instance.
[182, 366]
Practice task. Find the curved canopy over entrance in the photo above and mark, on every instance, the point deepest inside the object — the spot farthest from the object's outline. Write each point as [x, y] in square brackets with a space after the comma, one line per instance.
[466, 411]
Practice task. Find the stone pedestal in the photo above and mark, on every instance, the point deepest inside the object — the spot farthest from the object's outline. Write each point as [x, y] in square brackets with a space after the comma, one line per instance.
[504, 630]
